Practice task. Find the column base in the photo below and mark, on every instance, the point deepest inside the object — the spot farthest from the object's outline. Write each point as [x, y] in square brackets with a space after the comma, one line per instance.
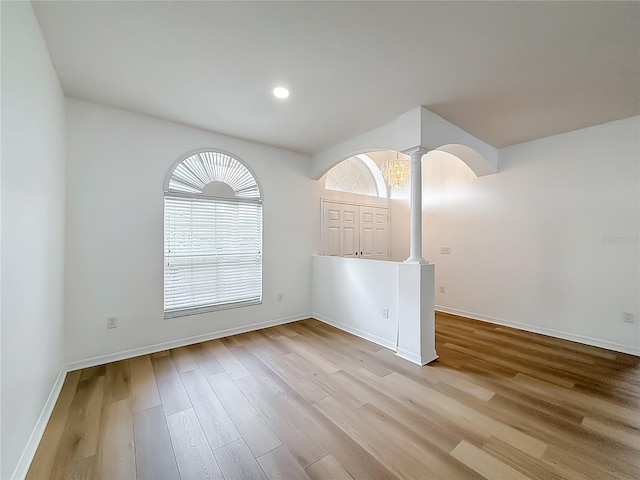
[416, 312]
[419, 260]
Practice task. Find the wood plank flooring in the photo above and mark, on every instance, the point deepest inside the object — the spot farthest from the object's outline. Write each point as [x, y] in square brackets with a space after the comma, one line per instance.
[306, 400]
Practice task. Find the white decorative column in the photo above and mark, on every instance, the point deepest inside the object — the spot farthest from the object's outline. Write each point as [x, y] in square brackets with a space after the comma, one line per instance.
[415, 248]
[416, 283]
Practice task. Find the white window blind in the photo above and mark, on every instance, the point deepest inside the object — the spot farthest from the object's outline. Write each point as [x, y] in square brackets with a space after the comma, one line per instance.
[195, 172]
[213, 254]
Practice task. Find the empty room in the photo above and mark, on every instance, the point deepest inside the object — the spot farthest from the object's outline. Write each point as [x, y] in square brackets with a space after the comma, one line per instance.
[319, 240]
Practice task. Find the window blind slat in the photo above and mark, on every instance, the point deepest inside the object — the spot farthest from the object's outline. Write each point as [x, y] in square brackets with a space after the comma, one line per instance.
[213, 253]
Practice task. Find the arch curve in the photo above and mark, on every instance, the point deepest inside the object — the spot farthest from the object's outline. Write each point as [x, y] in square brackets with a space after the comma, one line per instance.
[478, 163]
[474, 160]
[193, 172]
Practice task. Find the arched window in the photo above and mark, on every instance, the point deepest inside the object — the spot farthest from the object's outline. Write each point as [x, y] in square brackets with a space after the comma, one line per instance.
[212, 235]
[356, 175]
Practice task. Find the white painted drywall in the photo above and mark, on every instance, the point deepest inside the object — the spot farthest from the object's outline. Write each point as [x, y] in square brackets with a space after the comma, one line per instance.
[549, 243]
[353, 198]
[437, 132]
[416, 326]
[117, 162]
[32, 253]
[400, 134]
[350, 293]
[418, 127]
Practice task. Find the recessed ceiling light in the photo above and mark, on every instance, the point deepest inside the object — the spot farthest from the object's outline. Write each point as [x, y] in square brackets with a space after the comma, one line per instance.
[281, 92]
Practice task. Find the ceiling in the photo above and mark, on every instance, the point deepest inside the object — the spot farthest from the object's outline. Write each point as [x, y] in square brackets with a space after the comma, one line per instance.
[506, 72]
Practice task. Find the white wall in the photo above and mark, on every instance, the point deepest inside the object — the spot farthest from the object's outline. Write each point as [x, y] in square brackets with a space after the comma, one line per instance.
[402, 133]
[400, 226]
[32, 252]
[117, 162]
[353, 198]
[529, 244]
[350, 293]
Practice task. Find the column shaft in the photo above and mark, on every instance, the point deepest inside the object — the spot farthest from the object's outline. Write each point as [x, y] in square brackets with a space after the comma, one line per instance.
[415, 249]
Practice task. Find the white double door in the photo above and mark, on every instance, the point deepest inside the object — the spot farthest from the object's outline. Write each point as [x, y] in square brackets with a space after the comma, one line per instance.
[356, 231]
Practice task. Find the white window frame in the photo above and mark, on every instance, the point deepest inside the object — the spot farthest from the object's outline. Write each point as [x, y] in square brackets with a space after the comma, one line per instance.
[178, 199]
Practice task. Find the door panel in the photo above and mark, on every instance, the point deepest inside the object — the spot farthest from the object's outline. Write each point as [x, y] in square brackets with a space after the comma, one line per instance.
[381, 236]
[374, 241]
[349, 247]
[367, 231]
[332, 215]
[350, 230]
[332, 241]
[367, 242]
[380, 245]
[349, 215]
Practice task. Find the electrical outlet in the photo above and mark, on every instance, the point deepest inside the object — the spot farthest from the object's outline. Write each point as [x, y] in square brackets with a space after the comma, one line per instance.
[443, 289]
[627, 317]
[280, 297]
[445, 250]
[112, 322]
[385, 312]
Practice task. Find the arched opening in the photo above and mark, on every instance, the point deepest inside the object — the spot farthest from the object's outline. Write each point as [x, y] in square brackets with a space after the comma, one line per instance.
[355, 208]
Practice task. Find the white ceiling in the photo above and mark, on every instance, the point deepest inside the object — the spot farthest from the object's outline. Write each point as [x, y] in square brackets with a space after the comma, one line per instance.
[506, 72]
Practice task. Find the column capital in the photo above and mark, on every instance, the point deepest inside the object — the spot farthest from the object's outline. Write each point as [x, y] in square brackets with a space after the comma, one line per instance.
[416, 152]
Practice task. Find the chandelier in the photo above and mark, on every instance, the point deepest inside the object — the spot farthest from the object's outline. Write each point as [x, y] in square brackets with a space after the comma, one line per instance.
[396, 172]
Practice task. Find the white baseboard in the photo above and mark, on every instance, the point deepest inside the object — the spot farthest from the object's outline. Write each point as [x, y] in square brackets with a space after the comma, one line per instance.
[595, 342]
[158, 347]
[415, 358]
[36, 435]
[357, 332]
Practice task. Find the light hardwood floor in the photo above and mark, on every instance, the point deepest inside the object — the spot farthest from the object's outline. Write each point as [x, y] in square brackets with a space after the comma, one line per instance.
[306, 400]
